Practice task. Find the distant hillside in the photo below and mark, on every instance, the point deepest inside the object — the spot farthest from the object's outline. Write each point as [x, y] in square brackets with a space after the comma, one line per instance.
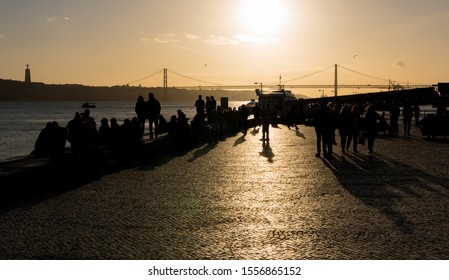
[11, 90]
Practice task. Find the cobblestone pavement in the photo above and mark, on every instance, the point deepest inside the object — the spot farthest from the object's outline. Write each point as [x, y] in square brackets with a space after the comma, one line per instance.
[240, 199]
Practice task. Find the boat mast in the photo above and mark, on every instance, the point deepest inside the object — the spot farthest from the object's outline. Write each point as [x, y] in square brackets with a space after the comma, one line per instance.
[280, 85]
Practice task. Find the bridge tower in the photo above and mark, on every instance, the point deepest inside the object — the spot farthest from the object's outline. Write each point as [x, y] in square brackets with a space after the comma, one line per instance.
[165, 78]
[27, 74]
[336, 81]
[164, 96]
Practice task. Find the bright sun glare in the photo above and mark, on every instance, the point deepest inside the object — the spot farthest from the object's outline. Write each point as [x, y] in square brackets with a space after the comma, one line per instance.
[261, 17]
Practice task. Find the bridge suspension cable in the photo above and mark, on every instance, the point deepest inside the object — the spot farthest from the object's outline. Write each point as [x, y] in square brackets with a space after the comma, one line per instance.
[386, 84]
[144, 78]
[308, 75]
[366, 75]
[197, 80]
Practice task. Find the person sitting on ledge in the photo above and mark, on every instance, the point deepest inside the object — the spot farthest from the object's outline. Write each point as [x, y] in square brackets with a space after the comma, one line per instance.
[51, 141]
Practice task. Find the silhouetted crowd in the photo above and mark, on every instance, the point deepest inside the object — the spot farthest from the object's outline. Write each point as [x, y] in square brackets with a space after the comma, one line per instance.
[211, 123]
[433, 125]
[359, 126]
[88, 141]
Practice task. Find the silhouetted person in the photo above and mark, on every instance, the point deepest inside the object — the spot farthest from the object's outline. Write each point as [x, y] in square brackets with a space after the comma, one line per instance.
[183, 129]
[209, 107]
[407, 114]
[394, 117]
[383, 125]
[115, 132]
[182, 118]
[78, 136]
[266, 115]
[256, 113]
[126, 135]
[136, 132]
[88, 118]
[441, 109]
[93, 130]
[51, 141]
[354, 129]
[215, 126]
[104, 132]
[416, 113]
[371, 119]
[243, 117]
[428, 125]
[291, 117]
[232, 120]
[199, 129]
[200, 105]
[274, 116]
[172, 127]
[318, 124]
[58, 138]
[163, 125]
[141, 112]
[213, 102]
[42, 144]
[154, 110]
[221, 121]
[344, 124]
[329, 124]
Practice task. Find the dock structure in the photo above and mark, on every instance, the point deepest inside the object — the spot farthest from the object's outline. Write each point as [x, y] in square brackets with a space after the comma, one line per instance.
[241, 199]
[381, 100]
[436, 95]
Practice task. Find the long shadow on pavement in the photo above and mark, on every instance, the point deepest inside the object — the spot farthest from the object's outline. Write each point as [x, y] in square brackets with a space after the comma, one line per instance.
[382, 183]
[36, 185]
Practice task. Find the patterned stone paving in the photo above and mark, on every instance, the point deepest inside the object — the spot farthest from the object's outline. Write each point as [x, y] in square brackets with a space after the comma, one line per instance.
[241, 199]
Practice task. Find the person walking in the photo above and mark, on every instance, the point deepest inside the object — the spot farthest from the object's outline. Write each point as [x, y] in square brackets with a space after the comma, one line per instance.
[371, 119]
[318, 124]
[154, 110]
[329, 124]
[416, 113]
[394, 116]
[344, 126]
[407, 113]
[353, 133]
[266, 120]
[291, 118]
[141, 112]
[243, 116]
[256, 113]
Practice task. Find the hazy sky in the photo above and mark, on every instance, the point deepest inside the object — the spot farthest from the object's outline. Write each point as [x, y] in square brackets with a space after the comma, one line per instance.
[112, 42]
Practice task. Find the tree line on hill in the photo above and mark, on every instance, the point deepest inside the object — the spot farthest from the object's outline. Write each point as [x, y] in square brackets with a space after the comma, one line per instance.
[11, 90]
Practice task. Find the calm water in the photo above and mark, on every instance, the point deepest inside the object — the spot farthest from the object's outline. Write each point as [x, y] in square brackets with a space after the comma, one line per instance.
[21, 122]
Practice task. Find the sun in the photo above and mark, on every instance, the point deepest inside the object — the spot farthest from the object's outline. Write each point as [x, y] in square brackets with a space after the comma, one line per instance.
[261, 17]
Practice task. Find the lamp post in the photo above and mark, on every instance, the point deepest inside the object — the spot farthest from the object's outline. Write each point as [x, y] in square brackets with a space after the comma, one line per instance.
[256, 83]
[257, 91]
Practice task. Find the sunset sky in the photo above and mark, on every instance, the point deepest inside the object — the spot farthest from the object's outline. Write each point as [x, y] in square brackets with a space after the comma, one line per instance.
[115, 42]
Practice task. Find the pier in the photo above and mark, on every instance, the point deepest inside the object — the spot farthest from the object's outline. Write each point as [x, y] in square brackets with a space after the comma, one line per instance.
[242, 199]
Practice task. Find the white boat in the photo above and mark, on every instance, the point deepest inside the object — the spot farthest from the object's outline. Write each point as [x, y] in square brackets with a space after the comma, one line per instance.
[250, 105]
[276, 98]
[88, 105]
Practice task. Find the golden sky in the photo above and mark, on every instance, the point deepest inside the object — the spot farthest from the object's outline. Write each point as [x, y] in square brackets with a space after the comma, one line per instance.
[114, 42]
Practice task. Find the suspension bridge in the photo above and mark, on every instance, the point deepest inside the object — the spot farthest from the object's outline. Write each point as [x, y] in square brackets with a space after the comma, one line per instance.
[188, 82]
